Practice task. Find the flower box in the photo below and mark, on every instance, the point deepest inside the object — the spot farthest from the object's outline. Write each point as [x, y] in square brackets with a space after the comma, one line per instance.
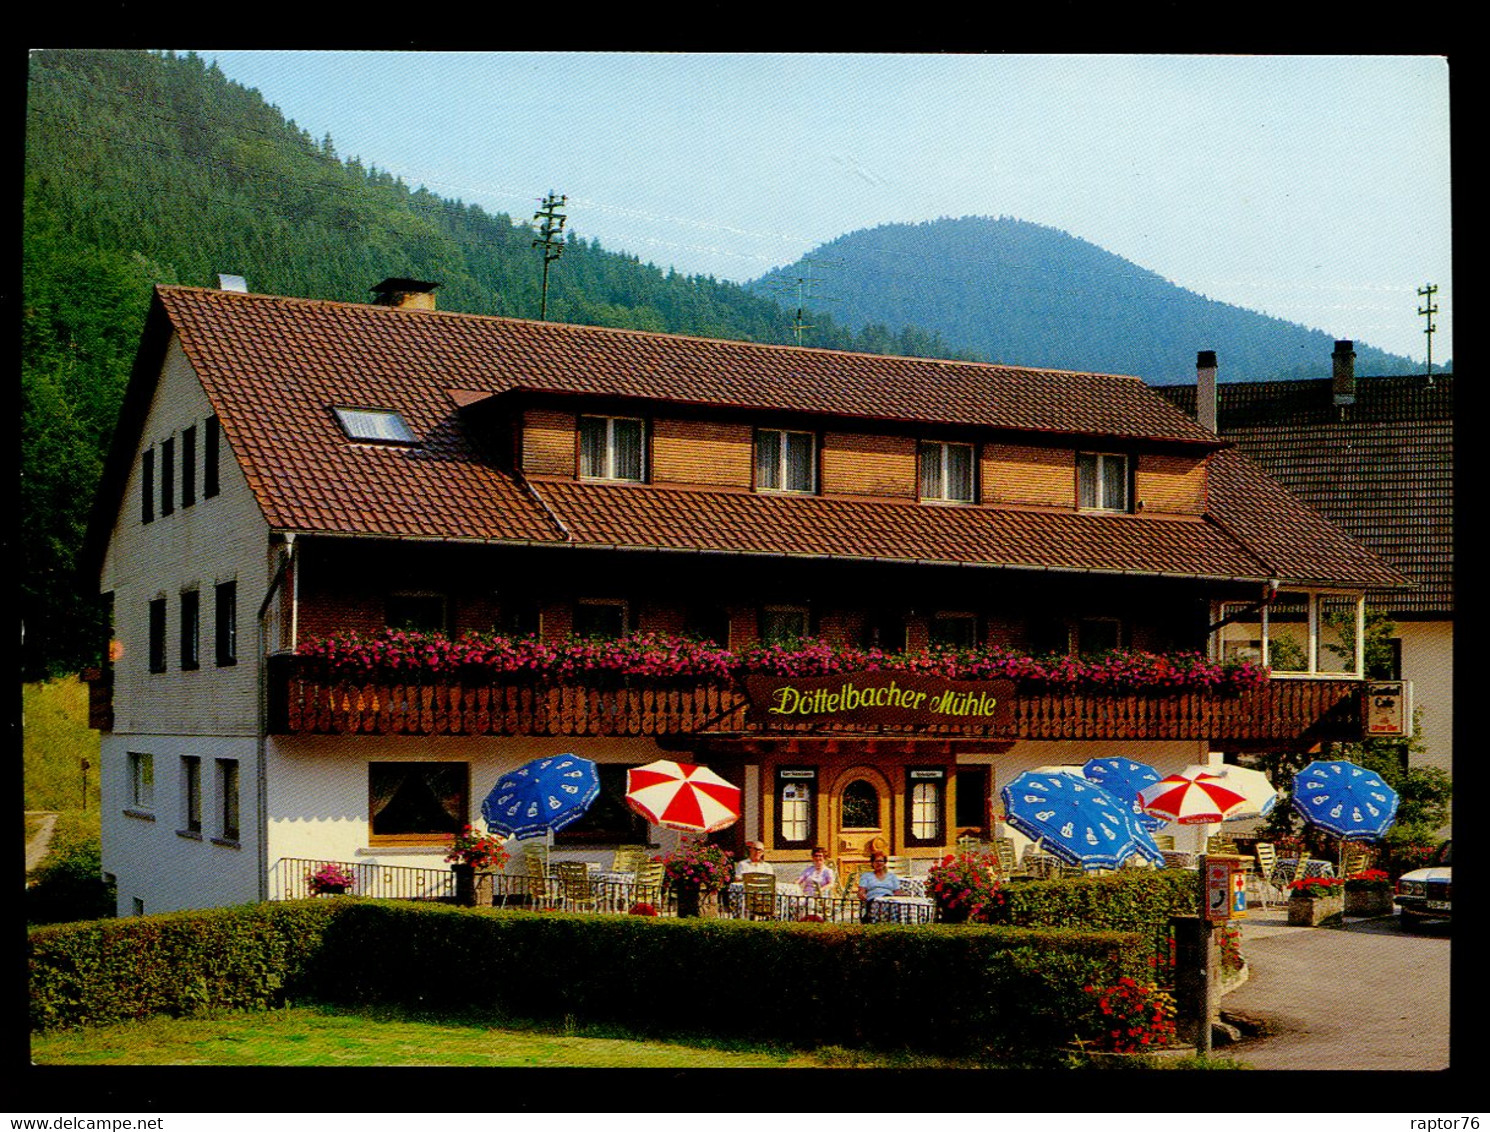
[1368, 902]
[1312, 912]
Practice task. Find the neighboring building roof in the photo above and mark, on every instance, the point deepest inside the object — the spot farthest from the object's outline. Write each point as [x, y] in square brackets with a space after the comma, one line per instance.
[274, 367]
[1381, 469]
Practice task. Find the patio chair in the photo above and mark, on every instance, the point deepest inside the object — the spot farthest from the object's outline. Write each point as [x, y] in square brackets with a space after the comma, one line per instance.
[1220, 844]
[574, 886]
[1003, 850]
[968, 843]
[900, 866]
[1355, 859]
[648, 886]
[1165, 841]
[760, 896]
[541, 889]
[626, 858]
[1266, 883]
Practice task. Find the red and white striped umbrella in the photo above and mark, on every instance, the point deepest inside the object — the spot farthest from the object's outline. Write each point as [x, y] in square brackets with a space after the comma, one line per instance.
[1196, 795]
[682, 796]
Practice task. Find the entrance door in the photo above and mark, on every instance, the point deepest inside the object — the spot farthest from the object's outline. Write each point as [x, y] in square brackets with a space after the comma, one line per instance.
[859, 819]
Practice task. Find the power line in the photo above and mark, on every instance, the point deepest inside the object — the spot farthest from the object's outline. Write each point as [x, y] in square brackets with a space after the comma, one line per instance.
[551, 240]
[1428, 310]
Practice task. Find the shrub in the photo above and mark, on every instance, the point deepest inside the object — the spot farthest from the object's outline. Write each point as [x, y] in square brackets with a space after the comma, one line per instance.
[68, 885]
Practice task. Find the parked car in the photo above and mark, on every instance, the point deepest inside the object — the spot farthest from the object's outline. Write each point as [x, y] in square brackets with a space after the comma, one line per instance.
[1424, 894]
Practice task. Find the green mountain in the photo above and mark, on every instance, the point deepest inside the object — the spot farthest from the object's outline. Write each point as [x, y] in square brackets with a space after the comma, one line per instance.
[1025, 294]
[145, 168]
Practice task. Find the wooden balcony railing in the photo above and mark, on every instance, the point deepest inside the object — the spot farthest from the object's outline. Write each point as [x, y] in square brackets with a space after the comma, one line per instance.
[1280, 711]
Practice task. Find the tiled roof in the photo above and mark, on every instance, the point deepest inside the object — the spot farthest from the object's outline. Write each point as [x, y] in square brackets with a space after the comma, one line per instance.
[1381, 470]
[273, 368]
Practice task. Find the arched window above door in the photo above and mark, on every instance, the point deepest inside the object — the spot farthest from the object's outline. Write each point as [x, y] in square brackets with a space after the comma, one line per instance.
[861, 805]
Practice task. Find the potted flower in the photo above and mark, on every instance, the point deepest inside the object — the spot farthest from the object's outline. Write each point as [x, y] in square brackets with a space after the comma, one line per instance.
[1316, 900]
[1131, 1019]
[1369, 893]
[695, 868]
[469, 851]
[965, 887]
[330, 880]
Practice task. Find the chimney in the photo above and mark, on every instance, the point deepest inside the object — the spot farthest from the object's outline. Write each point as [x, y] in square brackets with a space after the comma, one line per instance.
[1205, 389]
[1343, 383]
[408, 294]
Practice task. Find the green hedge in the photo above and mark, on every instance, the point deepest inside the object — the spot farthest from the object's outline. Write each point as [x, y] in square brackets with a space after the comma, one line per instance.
[177, 963]
[1138, 900]
[964, 989]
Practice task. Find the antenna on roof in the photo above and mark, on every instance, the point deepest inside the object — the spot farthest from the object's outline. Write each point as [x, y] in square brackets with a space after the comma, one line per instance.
[551, 239]
[1428, 310]
[802, 286]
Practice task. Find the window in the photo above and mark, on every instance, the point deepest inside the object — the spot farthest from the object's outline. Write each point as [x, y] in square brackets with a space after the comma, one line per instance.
[925, 793]
[1101, 481]
[188, 465]
[375, 426]
[972, 797]
[955, 630]
[609, 820]
[227, 799]
[947, 472]
[796, 809]
[227, 623]
[147, 486]
[782, 624]
[210, 443]
[520, 617]
[784, 461]
[415, 613]
[167, 476]
[417, 803]
[158, 635]
[141, 781]
[191, 617]
[885, 630]
[610, 448]
[707, 623]
[602, 619]
[191, 794]
[861, 805]
[1096, 635]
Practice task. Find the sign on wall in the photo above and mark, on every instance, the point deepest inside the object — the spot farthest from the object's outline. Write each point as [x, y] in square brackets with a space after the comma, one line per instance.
[896, 699]
[1389, 709]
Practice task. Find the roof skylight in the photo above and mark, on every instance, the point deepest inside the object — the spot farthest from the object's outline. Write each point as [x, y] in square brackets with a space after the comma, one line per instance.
[378, 425]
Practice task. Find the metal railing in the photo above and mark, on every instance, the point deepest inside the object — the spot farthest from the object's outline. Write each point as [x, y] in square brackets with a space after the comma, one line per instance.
[289, 879]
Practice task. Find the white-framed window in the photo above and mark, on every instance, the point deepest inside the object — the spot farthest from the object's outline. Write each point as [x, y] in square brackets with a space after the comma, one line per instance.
[925, 797]
[612, 448]
[1295, 633]
[228, 828]
[781, 624]
[785, 461]
[141, 780]
[374, 426]
[1101, 481]
[946, 472]
[795, 805]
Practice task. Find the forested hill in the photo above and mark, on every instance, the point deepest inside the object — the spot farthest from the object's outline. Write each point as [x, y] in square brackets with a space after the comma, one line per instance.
[1025, 294]
[146, 168]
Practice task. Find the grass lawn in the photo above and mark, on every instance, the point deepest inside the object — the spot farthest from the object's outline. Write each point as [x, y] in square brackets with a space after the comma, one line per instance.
[323, 1036]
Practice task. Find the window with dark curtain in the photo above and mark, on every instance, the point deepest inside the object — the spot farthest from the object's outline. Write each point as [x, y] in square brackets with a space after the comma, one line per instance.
[609, 820]
[147, 486]
[417, 801]
[972, 797]
[188, 466]
[158, 635]
[190, 629]
[227, 624]
[167, 476]
[210, 446]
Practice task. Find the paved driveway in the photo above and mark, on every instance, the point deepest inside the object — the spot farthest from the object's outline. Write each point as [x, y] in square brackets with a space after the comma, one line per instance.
[1367, 996]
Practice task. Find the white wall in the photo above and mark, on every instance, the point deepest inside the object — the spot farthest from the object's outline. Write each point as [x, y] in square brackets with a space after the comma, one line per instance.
[1428, 661]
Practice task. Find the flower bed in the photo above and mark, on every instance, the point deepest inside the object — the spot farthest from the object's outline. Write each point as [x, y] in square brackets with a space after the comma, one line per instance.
[965, 888]
[1316, 901]
[405, 656]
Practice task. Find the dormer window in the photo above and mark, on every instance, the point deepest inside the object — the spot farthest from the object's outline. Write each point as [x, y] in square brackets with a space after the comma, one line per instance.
[785, 461]
[375, 426]
[611, 448]
[1101, 481]
[946, 472]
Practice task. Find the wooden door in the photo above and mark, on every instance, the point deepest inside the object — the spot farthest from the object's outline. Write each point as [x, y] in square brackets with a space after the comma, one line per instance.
[859, 813]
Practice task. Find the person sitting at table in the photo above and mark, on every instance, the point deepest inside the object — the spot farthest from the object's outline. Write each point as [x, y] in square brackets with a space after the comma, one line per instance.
[879, 881]
[755, 861]
[817, 879]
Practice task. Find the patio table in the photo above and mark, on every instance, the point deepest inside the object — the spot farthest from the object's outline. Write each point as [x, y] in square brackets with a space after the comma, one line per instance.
[1174, 859]
[789, 899]
[1313, 867]
[901, 910]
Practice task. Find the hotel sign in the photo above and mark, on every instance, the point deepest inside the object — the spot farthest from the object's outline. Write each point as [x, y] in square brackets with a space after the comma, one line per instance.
[880, 699]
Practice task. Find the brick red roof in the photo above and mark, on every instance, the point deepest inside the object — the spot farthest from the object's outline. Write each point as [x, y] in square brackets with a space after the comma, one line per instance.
[274, 367]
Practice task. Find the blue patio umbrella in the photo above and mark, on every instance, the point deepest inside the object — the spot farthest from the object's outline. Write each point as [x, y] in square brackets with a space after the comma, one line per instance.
[1076, 820]
[541, 797]
[1347, 800]
[1124, 778]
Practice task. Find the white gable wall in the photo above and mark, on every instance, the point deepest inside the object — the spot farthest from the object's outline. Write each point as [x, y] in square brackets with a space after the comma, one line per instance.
[210, 712]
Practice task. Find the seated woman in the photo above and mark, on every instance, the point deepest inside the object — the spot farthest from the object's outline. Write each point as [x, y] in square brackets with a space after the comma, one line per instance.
[879, 881]
[817, 879]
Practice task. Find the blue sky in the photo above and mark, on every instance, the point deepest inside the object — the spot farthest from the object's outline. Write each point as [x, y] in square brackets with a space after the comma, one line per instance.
[1312, 188]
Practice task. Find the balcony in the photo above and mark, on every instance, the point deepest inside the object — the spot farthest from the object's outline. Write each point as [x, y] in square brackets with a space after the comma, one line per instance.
[1279, 713]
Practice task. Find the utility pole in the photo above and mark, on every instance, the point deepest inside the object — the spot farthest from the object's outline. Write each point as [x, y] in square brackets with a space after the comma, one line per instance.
[550, 239]
[1428, 310]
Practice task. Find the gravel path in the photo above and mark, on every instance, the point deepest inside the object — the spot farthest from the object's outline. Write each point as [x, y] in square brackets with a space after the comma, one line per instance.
[38, 843]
